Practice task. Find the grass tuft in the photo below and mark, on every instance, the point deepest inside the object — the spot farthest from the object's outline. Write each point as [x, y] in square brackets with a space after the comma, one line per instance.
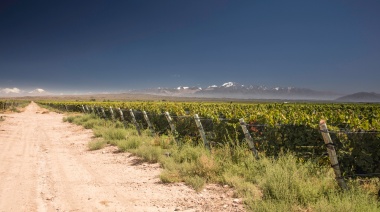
[195, 182]
[96, 144]
[170, 176]
[151, 154]
[110, 134]
[132, 142]
[69, 119]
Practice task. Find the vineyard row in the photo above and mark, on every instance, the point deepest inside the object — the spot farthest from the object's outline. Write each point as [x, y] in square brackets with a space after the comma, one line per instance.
[358, 153]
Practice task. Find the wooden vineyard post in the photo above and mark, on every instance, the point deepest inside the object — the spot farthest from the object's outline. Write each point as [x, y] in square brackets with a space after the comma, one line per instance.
[99, 112]
[248, 137]
[134, 121]
[332, 154]
[122, 117]
[112, 115]
[150, 126]
[87, 109]
[201, 131]
[95, 110]
[103, 113]
[121, 114]
[172, 127]
[84, 110]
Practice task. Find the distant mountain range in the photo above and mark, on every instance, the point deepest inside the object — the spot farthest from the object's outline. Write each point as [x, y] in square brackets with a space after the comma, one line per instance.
[360, 97]
[229, 90]
[238, 91]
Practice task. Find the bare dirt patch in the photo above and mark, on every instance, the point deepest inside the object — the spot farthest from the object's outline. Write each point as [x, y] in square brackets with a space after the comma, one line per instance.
[45, 166]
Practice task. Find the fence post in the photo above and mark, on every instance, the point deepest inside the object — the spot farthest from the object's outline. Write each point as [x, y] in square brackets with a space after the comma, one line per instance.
[112, 115]
[135, 122]
[332, 154]
[248, 137]
[172, 127]
[150, 126]
[88, 110]
[201, 131]
[121, 114]
[97, 112]
[103, 113]
[122, 117]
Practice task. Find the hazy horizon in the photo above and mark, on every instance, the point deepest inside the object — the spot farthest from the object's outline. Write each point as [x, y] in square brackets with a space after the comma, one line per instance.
[26, 90]
[114, 46]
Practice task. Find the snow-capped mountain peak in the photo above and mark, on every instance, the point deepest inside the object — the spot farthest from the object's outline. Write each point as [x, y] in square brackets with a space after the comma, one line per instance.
[247, 91]
[228, 84]
[182, 88]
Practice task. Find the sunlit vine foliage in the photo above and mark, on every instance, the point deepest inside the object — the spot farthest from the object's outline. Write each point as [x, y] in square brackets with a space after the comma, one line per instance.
[275, 127]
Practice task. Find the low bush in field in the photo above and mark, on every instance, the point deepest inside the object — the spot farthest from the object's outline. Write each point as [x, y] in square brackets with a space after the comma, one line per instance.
[90, 124]
[69, 119]
[151, 154]
[96, 144]
[109, 134]
[132, 142]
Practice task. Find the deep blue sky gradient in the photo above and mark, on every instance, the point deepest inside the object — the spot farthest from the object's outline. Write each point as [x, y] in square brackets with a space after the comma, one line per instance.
[120, 45]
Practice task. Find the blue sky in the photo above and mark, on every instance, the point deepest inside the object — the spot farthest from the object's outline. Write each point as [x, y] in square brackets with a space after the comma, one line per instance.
[121, 45]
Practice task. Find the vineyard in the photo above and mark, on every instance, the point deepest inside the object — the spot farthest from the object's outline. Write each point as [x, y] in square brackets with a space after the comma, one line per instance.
[12, 104]
[275, 127]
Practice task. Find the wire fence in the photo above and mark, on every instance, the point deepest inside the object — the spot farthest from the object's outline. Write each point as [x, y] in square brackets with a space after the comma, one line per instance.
[358, 151]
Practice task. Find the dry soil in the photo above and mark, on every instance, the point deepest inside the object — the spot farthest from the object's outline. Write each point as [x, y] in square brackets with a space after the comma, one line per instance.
[45, 166]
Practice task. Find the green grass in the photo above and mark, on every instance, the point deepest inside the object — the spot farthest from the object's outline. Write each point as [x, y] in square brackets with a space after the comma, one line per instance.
[110, 133]
[90, 124]
[15, 109]
[132, 142]
[285, 183]
[50, 108]
[96, 144]
[69, 119]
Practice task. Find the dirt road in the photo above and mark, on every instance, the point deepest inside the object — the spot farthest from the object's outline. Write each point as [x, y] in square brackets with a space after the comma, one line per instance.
[45, 166]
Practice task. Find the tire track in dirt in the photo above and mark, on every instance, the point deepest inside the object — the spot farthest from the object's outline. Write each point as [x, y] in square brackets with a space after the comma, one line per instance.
[45, 166]
[18, 160]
